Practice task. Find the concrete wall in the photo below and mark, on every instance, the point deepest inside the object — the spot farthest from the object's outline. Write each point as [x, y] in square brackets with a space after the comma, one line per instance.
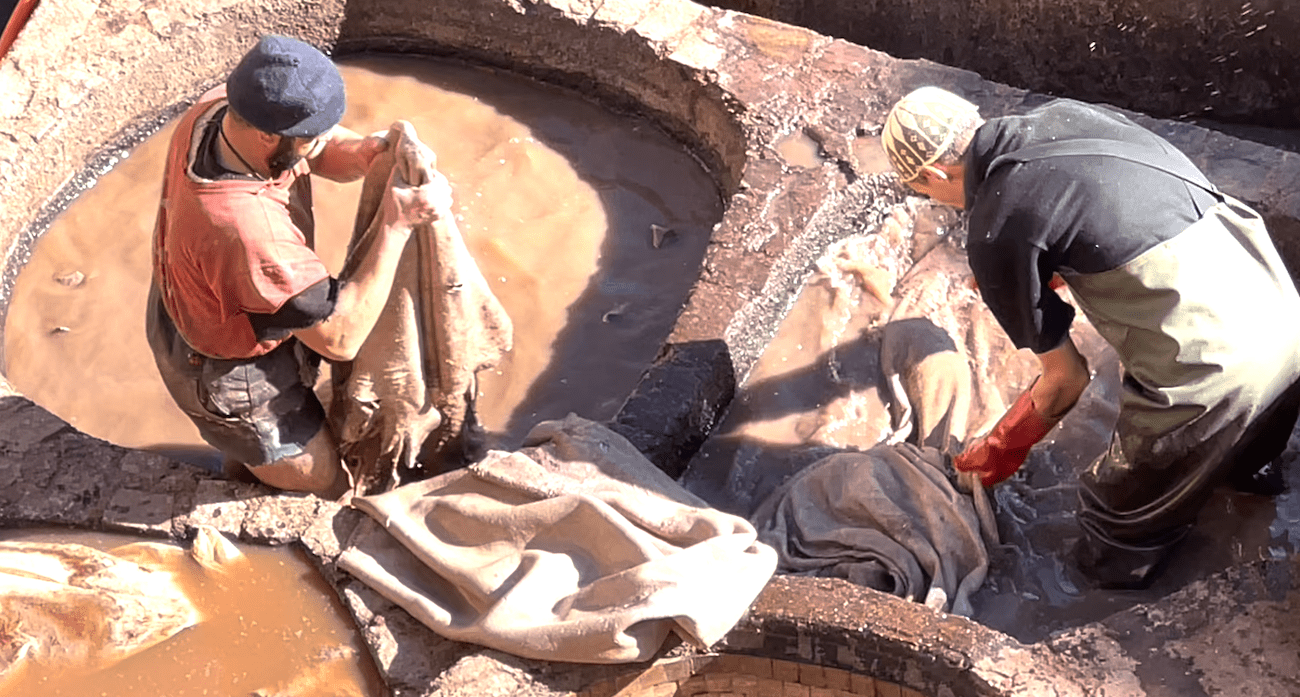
[1232, 60]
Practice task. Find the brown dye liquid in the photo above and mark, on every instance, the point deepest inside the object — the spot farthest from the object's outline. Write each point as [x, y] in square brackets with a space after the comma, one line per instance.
[271, 626]
[817, 389]
[558, 201]
[800, 150]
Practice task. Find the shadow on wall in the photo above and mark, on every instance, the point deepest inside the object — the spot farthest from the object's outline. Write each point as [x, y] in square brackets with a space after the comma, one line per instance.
[1228, 61]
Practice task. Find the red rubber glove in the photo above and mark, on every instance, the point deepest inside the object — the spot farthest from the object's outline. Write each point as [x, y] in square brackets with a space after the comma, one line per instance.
[998, 455]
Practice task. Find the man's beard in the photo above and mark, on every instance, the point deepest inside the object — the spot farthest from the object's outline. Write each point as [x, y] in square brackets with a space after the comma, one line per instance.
[284, 158]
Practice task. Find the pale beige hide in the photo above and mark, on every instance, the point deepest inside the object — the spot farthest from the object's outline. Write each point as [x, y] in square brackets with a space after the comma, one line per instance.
[68, 606]
[947, 365]
[403, 407]
[574, 549]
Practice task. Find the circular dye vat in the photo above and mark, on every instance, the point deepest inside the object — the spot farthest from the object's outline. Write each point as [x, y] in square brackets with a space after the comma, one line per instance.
[589, 227]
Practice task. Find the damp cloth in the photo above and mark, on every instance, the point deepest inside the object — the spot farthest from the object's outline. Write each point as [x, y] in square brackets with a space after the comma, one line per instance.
[408, 394]
[886, 518]
[575, 548]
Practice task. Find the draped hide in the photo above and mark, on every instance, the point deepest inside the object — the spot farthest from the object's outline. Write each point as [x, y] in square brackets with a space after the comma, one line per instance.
[575, 548]
[889, 517]
[886, 518]
[403, 408]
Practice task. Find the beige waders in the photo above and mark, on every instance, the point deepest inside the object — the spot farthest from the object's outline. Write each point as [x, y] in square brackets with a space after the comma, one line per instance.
[1205, 325]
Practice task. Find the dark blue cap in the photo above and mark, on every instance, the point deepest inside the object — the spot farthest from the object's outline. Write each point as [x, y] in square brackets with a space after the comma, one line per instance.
[287, 87]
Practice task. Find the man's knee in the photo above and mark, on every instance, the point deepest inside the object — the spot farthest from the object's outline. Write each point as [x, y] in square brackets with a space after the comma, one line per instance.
[317, 470]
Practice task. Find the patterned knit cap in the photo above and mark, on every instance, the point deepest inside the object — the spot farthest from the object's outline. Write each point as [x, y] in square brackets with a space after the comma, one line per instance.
[921, 126]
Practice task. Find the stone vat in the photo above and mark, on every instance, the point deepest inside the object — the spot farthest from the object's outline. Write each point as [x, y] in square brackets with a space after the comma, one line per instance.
[89, 79]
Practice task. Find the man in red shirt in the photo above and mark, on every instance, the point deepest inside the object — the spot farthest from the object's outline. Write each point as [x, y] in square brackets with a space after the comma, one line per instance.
[241, 307]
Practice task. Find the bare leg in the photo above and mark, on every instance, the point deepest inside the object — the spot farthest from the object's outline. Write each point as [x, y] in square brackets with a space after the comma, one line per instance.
[317, 470]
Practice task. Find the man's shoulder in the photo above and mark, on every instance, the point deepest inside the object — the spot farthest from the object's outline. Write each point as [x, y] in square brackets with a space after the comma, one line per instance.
[1087, 120]
[215, 94]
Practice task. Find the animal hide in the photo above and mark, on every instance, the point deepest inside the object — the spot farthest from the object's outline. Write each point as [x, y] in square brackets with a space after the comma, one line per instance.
[575, 548]
[886, 518]
[66, 606]
[403, 408]
[944, 359]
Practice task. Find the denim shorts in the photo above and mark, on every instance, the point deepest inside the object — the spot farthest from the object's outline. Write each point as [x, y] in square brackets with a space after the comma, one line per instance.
[254, 410]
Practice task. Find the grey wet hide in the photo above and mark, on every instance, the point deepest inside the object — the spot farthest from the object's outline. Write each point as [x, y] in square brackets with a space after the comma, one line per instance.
[886, 518]
[403, 408]
[575, 548]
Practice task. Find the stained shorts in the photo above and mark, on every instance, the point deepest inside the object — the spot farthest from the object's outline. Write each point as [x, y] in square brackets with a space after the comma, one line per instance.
[254, 410]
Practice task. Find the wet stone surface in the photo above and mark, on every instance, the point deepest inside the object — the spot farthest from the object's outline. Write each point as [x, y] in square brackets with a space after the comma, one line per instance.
[1137, 54]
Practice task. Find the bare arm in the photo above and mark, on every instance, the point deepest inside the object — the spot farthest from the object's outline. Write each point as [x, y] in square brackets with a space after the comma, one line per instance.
[368, 279]
[1065, 375]
[346, 155]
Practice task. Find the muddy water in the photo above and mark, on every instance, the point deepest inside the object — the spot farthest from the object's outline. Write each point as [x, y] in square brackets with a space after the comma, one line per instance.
[820, 388]
[269, 627]
[798, 149]
[589, 227]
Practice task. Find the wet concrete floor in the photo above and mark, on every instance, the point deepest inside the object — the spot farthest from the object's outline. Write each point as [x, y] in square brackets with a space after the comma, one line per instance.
[589, 226]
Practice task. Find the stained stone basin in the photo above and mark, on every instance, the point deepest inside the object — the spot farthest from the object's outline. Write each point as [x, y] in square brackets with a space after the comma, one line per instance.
[89, 79]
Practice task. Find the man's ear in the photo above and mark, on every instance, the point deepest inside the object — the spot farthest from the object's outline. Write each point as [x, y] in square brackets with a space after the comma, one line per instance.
[270, 140]
[932, 174]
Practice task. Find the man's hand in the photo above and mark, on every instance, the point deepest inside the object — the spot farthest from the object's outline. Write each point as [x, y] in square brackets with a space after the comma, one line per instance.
[361, 149]
[408, 207]
[997, 456]
[369, 147]
[344, 156]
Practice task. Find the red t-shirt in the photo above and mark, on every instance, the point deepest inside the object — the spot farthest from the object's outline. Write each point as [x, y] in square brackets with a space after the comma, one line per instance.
[225, 248]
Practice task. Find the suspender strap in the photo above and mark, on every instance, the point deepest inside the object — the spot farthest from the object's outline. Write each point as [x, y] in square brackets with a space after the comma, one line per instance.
[1172, 163]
